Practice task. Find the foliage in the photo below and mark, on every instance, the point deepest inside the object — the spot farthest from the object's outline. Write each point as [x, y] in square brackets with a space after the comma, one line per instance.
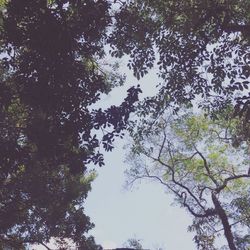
[133, 243]
[201, 49]
[50, 78]
[192, 156]
[201, 52]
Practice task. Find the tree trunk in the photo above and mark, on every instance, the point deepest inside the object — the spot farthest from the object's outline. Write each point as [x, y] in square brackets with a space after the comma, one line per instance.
[224, 219]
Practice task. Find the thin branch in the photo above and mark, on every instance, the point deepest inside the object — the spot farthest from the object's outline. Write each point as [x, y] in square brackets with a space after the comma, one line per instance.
[207, 212]
[202, 189]
[179, 184]
[188, 158]
[207, 167]
[45, 245]
[221, 187]
[232, 224]
[162, 145]
[174, 191]
[175, 182]
[222, 138]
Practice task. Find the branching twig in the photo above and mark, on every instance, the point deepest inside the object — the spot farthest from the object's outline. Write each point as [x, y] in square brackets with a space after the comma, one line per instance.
[221, 187]
[207, 167]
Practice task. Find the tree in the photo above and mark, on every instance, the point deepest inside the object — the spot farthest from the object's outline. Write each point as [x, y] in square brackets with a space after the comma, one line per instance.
[50, 77]
[133, 243]
[201, 50]
[193, 157]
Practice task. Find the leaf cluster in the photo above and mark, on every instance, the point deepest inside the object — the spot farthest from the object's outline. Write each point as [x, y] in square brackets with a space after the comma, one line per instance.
[200, 49]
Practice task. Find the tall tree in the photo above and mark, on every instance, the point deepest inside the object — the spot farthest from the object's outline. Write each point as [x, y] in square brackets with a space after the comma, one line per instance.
[49, 80]
[201, 50]
[193, 157]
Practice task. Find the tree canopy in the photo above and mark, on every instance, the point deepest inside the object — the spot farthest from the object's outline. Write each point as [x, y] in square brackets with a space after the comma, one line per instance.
[49, 79]
[195, 159]
[200, 48]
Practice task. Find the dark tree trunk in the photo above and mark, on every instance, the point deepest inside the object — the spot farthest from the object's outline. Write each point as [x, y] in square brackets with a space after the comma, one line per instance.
[224, 219]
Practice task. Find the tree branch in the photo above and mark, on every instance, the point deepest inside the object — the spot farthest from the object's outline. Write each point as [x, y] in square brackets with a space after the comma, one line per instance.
[209, 174]
[207, 212]
[224, 219]
[221, 187]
